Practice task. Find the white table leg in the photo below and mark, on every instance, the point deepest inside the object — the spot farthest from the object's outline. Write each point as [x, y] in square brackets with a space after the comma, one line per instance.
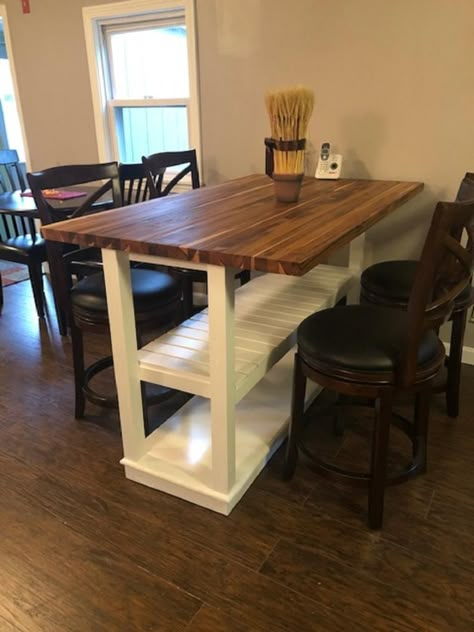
[124, 350]
[359, 259]
[221, 367]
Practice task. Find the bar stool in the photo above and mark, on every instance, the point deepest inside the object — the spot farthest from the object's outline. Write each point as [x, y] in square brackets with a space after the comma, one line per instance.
[366, 351]
[79, 285]
[389, 284]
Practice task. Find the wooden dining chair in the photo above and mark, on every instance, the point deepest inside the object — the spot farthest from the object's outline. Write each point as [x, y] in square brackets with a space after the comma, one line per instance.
[133, 183]
[20, 242]
[78, 281]
[389, 283]
[367, 351]
[160, 185]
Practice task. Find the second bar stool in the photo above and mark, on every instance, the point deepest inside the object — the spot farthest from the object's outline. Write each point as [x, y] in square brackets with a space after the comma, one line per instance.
[389, 284]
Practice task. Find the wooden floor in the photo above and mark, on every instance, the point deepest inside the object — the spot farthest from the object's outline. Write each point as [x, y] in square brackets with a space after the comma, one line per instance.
[83, 549]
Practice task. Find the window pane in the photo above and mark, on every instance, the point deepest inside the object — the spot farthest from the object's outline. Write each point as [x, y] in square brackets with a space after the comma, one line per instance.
[10, 130]
[149, 130]
[150, 63]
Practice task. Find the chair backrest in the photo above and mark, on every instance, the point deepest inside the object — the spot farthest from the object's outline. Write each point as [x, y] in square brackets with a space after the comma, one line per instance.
[12, 179]
[466, 188]
[156, 165]
[133, 183]
[444, 270]
[11, 174]
[99, 178]
[65, 260]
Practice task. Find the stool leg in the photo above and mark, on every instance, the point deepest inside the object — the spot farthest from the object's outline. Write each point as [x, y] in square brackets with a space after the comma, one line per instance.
[78, 363]
[455, 361]
[36, 279]
[378, 468]
[297, 411]
[244, 277]
[420, 427]
[187, 286]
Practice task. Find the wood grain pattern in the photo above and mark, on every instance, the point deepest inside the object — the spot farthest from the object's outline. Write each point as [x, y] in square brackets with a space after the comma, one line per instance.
[240, 224]
[83, 549]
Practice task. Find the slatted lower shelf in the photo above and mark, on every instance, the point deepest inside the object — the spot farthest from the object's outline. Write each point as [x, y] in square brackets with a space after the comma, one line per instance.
[177, 457]
[267, 313]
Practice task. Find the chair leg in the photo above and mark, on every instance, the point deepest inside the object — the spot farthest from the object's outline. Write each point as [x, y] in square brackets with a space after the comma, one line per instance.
[297, 412]
[36, 279]
[378, 468]
[420, 428]
[146, 410]
[244, 277]
[62, 321]
[1, 293]
[455, 362]
[79, 373]
[187, 286]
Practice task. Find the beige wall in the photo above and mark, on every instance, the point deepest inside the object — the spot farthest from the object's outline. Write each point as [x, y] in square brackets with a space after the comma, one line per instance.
[393, 82]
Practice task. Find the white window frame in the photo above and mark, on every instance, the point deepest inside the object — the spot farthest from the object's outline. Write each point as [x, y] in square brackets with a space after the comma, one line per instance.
[8, 42]
[93, 18]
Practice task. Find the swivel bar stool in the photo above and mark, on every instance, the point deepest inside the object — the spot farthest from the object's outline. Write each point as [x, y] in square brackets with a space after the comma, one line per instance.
[376, 353]
[389, 283]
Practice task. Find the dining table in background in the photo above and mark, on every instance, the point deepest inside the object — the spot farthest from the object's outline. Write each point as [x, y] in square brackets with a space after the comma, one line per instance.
[14, 203]
[21, 205]
[236, 356]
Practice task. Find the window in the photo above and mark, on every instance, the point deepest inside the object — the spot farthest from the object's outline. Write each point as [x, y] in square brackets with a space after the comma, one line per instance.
[11, 136]
[143, 71]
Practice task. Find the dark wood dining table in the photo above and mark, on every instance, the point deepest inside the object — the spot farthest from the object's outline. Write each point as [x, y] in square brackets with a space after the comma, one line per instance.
[235, 356]
[13, 203]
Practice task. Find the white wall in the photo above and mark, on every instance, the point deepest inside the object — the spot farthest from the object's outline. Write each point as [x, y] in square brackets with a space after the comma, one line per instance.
[393, 83]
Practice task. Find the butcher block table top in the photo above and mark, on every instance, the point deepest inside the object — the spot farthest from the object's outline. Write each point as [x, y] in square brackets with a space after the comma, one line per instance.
[240, 224]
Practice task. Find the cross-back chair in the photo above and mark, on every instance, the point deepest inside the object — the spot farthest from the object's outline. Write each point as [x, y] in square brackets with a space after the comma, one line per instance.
[377, 352]
[389, 283]
[157, 164]
[133, 183]
[102, 192]
[78, 281]
[159, 186]
[20, 241]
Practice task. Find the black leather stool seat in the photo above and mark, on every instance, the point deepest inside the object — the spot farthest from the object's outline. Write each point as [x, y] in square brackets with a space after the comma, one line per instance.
[151, 290]
[360, 338]
[393, 280]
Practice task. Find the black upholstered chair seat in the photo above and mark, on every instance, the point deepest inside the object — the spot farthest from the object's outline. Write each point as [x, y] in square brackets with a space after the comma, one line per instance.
[360, 338]
[25, 246]
[151, 290]
[393, 281]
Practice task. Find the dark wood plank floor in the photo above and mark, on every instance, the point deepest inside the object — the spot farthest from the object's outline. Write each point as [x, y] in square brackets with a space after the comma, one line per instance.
[83, 549]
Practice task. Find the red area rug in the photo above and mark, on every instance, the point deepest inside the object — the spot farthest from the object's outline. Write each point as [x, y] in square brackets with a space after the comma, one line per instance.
[12, 273]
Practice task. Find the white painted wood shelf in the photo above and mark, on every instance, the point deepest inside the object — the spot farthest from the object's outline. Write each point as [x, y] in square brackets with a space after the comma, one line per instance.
[181, 456]
[267, 313]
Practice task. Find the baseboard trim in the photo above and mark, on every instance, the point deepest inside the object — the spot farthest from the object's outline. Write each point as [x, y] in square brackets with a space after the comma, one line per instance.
[467, 353]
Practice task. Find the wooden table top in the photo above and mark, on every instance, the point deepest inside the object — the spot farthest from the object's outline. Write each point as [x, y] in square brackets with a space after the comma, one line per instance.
[240, 224]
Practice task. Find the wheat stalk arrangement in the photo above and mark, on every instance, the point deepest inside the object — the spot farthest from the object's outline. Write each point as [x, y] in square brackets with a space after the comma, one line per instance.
[289, 111]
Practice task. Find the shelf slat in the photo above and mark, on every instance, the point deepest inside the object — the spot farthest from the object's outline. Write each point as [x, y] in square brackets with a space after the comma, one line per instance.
[267, 313]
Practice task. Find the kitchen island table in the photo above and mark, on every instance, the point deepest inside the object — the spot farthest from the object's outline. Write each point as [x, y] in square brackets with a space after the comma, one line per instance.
[235, 356]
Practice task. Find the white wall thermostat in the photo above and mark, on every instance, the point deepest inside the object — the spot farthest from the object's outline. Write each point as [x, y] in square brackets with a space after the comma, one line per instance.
[329, 165]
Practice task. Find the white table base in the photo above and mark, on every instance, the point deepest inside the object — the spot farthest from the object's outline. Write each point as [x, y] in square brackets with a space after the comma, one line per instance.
[236, 357]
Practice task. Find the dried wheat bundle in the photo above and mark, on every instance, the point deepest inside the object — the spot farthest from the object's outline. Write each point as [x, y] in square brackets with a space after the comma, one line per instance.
[289, 111]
